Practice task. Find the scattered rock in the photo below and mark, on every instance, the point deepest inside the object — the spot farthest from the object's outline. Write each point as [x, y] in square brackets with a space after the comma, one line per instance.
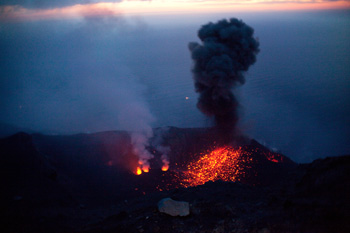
[174, 208]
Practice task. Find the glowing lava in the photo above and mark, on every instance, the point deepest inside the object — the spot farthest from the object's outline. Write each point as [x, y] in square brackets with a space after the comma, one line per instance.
[226, 164]
[274, 157]
[138, 171]
[220, 164]
[165, 167]
[145, 169]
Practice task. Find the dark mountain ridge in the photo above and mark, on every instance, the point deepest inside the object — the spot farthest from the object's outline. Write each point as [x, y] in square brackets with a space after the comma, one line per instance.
[84, 182]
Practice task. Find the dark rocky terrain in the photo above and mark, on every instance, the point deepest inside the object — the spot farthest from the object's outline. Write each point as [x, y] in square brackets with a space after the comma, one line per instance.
[84, 183]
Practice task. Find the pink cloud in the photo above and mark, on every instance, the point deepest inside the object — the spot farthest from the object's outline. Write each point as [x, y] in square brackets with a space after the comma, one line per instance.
[19, 13]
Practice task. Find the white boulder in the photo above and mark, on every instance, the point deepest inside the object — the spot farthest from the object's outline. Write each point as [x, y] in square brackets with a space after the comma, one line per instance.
[174, 208]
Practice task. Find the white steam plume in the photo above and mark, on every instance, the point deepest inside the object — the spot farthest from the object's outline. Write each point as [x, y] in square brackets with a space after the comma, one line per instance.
[137, 119]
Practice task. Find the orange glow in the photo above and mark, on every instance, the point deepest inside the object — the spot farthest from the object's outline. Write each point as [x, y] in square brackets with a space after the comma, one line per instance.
[138, 171]
[142, 167]
[226, 164]
[70, 12]
[215, 6]
[165, 167]
[166, 7]
[145, 169]
[220, 164]
[274, 158]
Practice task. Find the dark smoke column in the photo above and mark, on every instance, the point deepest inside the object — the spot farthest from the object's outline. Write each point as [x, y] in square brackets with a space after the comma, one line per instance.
[228, 49]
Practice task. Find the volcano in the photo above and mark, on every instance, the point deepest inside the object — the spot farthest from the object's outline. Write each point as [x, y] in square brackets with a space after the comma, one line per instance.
[87, 183]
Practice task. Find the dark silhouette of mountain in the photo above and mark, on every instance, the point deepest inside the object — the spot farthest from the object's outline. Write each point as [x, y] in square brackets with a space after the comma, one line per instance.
[85, 183]
[7, 130]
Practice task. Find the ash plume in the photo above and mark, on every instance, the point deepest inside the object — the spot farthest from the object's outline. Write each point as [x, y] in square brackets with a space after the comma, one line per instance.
[228, 49]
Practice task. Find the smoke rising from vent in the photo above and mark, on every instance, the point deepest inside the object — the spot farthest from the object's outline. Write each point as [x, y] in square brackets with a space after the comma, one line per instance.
[139, 141]
[159, 144]
[137, 119]
[228, 49]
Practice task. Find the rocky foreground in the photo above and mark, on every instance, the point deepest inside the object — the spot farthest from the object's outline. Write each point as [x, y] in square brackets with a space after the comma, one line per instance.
[317, 200]
[66, 184]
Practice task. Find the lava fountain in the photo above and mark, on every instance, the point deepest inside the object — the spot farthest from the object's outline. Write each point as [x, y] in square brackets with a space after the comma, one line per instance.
[228, 163]
[249, 163]
[224, 163]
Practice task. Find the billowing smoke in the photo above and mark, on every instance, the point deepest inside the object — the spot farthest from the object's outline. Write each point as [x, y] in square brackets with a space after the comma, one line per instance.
[228, 49]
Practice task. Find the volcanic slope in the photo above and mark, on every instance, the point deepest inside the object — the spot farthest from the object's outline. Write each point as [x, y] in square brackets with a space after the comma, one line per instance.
[316, 200]
[86, 183]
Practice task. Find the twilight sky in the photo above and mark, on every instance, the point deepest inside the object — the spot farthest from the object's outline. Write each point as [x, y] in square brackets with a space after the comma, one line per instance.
[87, 66]
[64, 9]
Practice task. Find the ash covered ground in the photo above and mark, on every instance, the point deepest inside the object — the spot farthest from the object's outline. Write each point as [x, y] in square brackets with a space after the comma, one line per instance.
[86, 183]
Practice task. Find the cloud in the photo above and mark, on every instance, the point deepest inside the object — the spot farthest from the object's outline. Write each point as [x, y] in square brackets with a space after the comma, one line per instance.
[43, 4]
[20, 13]
[41, 10]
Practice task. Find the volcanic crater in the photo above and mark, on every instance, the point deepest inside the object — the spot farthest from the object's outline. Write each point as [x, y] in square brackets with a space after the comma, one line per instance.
[87, 183]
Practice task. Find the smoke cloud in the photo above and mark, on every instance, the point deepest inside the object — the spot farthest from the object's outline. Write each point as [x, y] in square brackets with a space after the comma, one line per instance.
[228, 49]
[40, 4]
